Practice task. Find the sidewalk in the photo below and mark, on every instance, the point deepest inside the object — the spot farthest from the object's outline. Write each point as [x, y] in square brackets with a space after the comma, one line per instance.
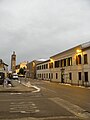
[18, 87]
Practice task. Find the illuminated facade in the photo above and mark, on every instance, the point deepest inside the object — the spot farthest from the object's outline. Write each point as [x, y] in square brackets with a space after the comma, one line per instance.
[69, 67]
[21, 65]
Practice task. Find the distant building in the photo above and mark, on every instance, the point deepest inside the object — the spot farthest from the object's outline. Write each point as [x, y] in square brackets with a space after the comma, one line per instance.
[69, 67]
[13, 61]
[31, 69]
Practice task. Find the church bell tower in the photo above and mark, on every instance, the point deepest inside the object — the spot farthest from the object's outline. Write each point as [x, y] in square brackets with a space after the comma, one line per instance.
[13, 61]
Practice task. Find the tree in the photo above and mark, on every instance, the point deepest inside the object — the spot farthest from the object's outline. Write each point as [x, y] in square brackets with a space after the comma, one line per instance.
[22, 71]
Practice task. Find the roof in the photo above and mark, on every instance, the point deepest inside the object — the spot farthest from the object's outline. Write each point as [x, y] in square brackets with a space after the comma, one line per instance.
[43, 62]
[63, 52]
[82, 46]
[86, 45]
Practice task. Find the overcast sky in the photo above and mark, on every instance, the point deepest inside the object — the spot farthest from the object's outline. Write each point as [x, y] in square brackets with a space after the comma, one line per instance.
[37, 29]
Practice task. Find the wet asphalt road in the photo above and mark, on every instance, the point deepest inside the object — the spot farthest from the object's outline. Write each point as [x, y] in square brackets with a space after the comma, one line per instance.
[54, 102]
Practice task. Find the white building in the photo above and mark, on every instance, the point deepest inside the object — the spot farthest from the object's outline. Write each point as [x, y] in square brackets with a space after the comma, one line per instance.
[71, 66]
[43, 71]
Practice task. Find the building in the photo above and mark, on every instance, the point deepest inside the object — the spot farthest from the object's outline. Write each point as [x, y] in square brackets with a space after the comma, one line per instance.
[43, 71]
[3, 67]
[13, 61]
[69, 67]
[31, 69]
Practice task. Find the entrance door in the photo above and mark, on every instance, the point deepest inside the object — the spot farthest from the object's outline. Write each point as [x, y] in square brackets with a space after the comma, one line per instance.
[62, 75]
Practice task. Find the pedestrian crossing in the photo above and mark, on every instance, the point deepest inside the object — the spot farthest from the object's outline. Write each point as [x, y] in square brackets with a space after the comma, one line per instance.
[23, 107]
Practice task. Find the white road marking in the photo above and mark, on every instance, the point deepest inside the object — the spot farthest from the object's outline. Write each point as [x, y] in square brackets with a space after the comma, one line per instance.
[37, 89]
[23, 107]
[37, 111]
[76, 110]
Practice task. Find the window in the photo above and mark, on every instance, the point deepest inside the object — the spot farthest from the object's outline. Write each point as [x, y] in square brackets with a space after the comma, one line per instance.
[38, 67]
[42, 66]
[85, 59]
[70, 61]
[50, 65]
[56, 64]
[46, 66]
[51, 75]
[79, 75]
[78, 59]
[56, 75]
[70, 76]
[46, 75]
[86, 76]
[40, 75]
[64, 62]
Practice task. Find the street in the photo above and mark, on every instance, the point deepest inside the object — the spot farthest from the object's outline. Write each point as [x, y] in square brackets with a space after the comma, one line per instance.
[54, 101]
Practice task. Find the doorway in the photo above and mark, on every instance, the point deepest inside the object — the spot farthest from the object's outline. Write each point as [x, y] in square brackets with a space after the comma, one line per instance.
[62, 75]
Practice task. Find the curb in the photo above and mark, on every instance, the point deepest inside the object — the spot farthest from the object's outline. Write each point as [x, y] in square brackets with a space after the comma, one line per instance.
[29, 85]
[75, 86]
[20, 90]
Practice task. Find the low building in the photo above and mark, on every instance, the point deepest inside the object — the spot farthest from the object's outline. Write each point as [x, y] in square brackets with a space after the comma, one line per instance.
[70, 67]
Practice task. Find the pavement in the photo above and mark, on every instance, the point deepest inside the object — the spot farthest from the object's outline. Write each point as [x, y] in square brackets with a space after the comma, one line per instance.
[18, 87]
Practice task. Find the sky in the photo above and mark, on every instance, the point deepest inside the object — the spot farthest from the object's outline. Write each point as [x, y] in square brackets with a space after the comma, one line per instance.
[38, 29]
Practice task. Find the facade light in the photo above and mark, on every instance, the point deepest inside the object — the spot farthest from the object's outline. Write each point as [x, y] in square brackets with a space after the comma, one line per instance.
[51, 60]
[79, 51]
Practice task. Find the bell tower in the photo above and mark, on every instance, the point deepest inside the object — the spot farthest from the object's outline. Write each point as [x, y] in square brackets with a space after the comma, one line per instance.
[13, 61]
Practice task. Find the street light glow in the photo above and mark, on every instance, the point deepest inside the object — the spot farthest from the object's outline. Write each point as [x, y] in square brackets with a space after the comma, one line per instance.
[79, 51]
[51, 60]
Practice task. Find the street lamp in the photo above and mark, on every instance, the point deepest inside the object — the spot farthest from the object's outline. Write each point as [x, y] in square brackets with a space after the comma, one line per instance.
[51, 61]
[79, 51]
